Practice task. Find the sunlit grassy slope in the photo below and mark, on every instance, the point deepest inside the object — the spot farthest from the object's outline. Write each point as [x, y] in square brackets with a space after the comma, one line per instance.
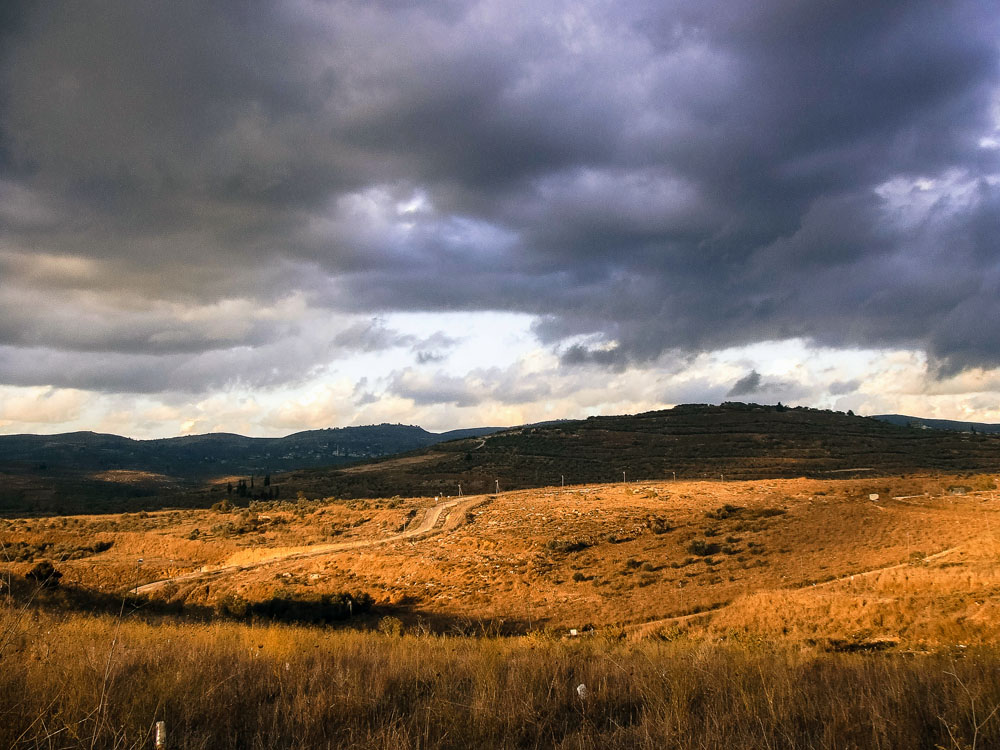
[806, 560]
[784, 613]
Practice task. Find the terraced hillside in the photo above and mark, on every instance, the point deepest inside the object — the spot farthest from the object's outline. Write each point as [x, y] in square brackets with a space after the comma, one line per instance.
[738, 441]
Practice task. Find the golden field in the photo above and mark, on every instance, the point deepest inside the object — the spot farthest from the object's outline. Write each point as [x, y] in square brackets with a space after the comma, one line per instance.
[773, 613]
[795, 559]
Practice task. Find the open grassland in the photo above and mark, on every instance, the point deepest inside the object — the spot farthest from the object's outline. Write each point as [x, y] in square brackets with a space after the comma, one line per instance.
[803, 560]
[102, 682]
[774, 613]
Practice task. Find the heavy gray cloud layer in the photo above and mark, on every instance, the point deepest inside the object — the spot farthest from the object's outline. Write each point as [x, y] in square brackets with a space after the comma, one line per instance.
[655, 176]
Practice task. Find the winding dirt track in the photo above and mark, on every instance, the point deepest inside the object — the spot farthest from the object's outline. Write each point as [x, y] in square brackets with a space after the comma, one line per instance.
[456, 507]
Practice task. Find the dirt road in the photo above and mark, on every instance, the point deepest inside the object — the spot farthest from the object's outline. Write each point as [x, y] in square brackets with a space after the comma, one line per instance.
[428, 526]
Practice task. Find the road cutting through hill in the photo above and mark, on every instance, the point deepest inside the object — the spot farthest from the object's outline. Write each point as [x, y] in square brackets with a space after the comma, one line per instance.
[435, 521]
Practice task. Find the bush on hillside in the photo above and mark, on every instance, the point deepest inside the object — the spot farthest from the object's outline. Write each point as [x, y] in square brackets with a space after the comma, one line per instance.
[45, 574]
[703, 548]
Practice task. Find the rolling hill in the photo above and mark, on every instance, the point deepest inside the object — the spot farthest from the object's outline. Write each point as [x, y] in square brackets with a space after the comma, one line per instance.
[215, 454]
[87, 471]
[694, 441]
[904, 420]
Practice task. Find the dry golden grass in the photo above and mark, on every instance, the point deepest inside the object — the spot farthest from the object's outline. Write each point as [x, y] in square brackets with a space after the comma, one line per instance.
[100, 682]
[601, 555]
[806, 571]
[127, 476]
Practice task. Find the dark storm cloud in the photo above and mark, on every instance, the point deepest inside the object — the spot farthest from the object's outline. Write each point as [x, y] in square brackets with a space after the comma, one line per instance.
[147, 373]
[754, 383]
[749, 383]
[844, 387]
[506, 386]
[653, 177]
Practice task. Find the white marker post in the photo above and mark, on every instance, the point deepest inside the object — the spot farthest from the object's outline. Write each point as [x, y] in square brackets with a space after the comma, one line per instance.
[160, 741]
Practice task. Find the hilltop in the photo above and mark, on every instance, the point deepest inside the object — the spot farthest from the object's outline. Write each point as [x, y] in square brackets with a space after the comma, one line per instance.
[214, 454]
[692, 441]
[904, 420]
[88, 471]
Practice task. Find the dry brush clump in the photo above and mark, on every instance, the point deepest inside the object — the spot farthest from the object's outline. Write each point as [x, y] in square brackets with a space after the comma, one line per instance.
[102, 682]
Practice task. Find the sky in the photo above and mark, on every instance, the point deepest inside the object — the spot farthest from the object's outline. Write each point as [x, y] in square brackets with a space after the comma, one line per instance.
[269, 217]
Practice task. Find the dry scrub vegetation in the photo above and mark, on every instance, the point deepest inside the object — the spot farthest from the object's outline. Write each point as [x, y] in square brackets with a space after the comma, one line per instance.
[772, 613]
[799, 559]
[92, 681]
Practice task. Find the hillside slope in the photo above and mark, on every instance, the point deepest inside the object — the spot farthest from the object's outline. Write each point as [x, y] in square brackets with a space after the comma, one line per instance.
[91, 472]
[214, 454]
[904, 420]
[740, 441]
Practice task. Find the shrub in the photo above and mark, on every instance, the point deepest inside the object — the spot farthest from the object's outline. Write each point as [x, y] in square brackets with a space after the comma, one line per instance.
[28, 551]
[724, 512]
[568, 545]
[613, 538]
[770, 512]
[702, 547]
[658, 525]
[45, 574]
[323, 609]
[232, 605]
[390, 625]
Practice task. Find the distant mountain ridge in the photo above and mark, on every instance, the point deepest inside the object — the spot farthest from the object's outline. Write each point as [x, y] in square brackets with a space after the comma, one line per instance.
[64, 473]
[214, 454]
[902, 420]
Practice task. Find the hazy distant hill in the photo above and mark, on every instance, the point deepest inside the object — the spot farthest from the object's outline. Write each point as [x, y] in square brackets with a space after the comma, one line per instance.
[937, 424]
[215, 454]
[690, 441]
